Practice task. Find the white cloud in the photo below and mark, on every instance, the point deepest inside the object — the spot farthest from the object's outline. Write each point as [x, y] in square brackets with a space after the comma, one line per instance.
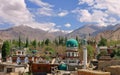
[63, 13]
[97, 16]
[102, 12]
[85, 16]
[58, 26]
[68, 25]
[41, 4]
[90, 2]
[44, 26]
[15, 12]
[67, 31]
[45, 8]
[45, 11]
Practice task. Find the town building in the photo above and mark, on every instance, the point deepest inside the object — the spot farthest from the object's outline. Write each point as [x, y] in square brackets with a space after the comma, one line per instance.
[72, 54]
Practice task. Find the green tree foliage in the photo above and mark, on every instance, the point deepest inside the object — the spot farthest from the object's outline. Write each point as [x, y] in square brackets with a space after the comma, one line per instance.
[39, 43]
[90, 51]
[34, 43]
[19, 42]
[103, 42]
[56, 42]
[102, 53]
[65, 40]
[49, 49]
[113, 42]
[42, 43]
[116, 54]
[27, 43]
[61, 40]
[5, 49]
[77, 38]
[49, 52]
[14, 43]
[47, 42]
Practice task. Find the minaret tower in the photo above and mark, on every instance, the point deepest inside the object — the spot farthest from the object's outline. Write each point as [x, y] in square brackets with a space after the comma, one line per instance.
[84, 44]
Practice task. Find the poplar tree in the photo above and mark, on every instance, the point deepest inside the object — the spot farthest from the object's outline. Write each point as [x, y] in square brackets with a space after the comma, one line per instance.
[27, 43]
[5, 49]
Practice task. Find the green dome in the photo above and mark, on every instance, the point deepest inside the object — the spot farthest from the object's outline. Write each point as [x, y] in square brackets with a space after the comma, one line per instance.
[62, 67]
[34, 51]
[72, 43]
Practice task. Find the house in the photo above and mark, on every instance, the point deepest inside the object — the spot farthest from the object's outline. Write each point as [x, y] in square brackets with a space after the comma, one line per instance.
[8, 67]
[106, 49]
[20, 52]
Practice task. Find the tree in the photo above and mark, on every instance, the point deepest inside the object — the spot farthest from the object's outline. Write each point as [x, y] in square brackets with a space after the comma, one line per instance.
[56, 42]
[102, 42]
[61, 41]
[27, 43]
[19, 42]
[42, 43]
[14, 43]
[5, 49]
[90, 52]
[65, 40]
[34, 43]
[39, 43]
[49, 50]
[47, 41]
[77, 38]
[116, 52]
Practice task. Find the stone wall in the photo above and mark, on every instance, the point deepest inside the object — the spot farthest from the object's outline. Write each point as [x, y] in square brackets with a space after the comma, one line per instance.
[73, 67]
[91, 72]
[2, 73]
[102, 65]
[12, 73]
[115, 70]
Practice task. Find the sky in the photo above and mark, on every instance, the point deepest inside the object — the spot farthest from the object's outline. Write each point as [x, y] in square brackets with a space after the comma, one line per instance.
[55, 15]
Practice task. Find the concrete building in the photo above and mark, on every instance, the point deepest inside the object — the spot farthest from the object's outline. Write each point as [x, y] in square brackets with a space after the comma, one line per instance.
[20, 52]
[8, 68]
[72, 54]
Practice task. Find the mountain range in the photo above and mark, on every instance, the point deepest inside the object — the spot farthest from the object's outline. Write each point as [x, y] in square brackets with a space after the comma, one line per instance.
[91, 30]
[110, 32]
[109, 35]
[28, 32]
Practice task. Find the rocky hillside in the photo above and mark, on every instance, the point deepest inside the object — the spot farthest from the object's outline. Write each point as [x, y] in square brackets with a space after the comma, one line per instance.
[92, 30]
[109, 35]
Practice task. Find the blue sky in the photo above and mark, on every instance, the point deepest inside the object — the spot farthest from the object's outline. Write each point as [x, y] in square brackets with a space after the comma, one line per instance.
[55, 15]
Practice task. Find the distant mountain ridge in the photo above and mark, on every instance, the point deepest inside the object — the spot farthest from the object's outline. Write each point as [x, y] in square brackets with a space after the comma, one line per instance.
[27, 32]
[109, 35]
[91, 30]
[111, 31]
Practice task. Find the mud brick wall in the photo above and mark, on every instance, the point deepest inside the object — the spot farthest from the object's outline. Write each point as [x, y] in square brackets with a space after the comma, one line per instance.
[102, 65]
[2, 73]
[14, 73]
[115, 70]
[90, 72]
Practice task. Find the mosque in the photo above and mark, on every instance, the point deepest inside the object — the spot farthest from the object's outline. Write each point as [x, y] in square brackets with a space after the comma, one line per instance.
[72, 59]
[72, 54]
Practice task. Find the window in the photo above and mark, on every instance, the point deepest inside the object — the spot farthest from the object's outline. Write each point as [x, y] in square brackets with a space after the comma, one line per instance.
[9, 70]
[71, 61]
